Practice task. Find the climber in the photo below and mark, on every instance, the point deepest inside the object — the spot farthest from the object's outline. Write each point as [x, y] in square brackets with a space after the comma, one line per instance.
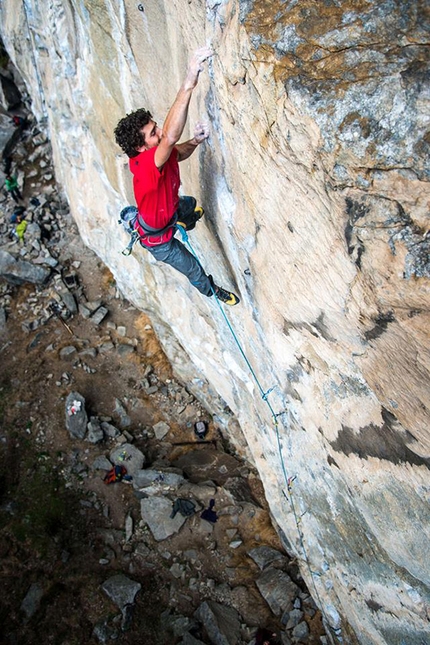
[154, 155]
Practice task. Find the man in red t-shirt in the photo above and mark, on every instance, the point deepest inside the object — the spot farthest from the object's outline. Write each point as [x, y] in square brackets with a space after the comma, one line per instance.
[154, 155]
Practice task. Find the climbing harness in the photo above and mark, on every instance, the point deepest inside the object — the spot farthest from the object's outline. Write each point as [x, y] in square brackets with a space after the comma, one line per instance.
[264, 395]
[134, 224]
[127, 218]
[130, 219]
[150, 232]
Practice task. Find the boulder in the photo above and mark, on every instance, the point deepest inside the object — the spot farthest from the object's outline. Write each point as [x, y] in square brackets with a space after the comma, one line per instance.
[265, 555]
[18, 272]
[104, 632]
[239, 490]
[156, 480]
[221, 623]
[99, 315]
[67, 353]
[31, 602]
[278, 590]
[202, 492]
[179, 625]
[301, 631]
[121, 590]
[206, 463]
[161, 429]
[109, 430]
[101, 463]
[76, 416]
[95, 432]
[129, 456]
[156, 513]
[124, 420]
[69, 301]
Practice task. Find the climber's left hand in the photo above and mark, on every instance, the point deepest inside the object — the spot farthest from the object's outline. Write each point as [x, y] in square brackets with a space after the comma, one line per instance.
[201, 132]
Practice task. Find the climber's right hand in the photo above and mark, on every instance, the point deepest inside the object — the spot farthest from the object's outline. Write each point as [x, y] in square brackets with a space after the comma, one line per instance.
[196, 65]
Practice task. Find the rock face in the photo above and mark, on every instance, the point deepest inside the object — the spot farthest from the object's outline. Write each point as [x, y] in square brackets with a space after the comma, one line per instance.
[315, 187]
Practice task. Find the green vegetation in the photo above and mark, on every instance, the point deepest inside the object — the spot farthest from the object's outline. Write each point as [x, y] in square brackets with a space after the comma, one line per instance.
[35, 506]
[41, 508]
[5, 390]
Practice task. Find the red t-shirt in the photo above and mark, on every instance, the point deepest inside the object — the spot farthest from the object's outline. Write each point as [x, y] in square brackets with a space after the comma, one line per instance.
[156, 193]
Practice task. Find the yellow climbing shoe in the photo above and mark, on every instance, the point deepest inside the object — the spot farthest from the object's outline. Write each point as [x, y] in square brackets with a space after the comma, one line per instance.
[199, 212]
[197, 215]
[227, 297]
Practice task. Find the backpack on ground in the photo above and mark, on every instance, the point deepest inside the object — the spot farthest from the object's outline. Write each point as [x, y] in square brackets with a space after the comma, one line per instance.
[115, 474]
[183, 506]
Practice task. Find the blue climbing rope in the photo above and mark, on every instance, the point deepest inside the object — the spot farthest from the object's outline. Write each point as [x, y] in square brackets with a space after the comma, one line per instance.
[264, 395]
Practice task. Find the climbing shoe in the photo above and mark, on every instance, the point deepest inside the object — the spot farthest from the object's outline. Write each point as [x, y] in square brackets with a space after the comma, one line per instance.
[227, 297]
[192, 219]
[199, 212]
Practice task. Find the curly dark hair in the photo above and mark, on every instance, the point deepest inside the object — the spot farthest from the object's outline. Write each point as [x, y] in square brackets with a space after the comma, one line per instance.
[128, 133]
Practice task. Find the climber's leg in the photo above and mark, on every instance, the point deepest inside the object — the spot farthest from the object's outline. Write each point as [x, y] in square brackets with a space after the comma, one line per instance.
[176, 255]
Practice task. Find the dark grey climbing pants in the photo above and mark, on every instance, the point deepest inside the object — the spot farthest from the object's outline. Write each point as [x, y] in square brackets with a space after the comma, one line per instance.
[177, 255]
[174, 253]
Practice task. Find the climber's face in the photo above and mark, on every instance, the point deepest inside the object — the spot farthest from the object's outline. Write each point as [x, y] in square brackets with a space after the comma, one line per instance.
[152, 134]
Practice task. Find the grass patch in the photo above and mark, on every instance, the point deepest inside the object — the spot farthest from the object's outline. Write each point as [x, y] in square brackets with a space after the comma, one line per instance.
[35, 506]
[5, 392]
[42, 505]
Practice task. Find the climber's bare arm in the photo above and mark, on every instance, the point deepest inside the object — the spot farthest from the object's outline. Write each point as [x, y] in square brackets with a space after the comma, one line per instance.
[201, 133]
[177, 116]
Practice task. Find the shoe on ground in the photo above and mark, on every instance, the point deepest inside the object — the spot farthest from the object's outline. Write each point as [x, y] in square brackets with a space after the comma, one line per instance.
[201, 429]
